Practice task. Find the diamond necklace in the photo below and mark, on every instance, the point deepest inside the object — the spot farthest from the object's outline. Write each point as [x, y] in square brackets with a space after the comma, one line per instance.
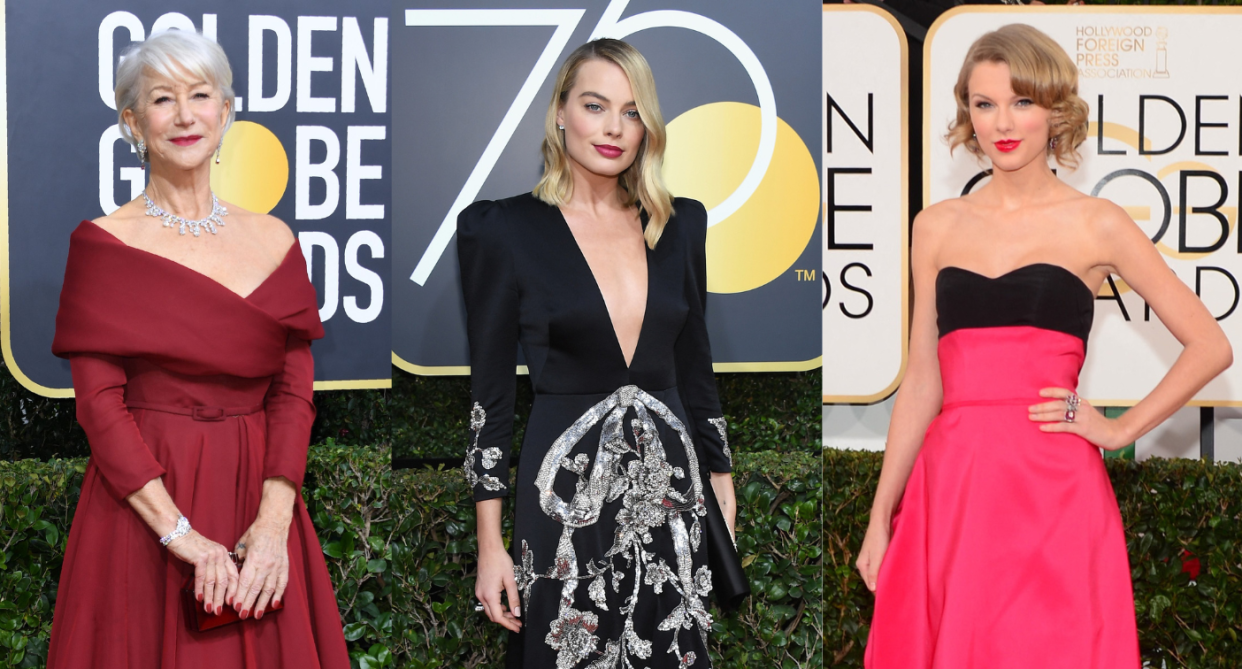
[216, 217]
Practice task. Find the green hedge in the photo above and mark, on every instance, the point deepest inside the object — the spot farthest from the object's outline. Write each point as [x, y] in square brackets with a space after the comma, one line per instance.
[32, 426]
[1172, 509]
[433, 568]
[346, 492]
[779, 411]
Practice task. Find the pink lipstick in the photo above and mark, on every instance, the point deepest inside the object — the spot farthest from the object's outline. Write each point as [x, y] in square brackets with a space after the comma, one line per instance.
[187, 140]
[608, 150]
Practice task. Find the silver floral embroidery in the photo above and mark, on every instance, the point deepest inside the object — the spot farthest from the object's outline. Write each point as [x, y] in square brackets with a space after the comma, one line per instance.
[721, 426]
[573, 636]
[644, 483]
[490, 456]
[597, 592]
[703, 581]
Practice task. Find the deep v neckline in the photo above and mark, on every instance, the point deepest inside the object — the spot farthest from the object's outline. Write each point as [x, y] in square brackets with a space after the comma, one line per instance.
[244, 298]
[599, 292]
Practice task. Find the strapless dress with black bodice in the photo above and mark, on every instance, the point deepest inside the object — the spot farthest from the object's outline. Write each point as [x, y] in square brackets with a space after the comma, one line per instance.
[1007, 548]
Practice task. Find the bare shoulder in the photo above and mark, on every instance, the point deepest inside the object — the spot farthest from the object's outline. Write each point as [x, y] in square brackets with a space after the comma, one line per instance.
[942, 212]
[1106, 212]
[124, 222]
[1105, 216]
[935, 222]
[269, 232]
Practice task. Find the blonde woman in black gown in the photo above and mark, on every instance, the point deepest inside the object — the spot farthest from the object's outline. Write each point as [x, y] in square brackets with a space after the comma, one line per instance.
[599, 275]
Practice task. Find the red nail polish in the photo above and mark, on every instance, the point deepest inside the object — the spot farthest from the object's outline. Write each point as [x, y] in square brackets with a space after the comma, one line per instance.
[245, 613]
[200, 597]
[258, 615]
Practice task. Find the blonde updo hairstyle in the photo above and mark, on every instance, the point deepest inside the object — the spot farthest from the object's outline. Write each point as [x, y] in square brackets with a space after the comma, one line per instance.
[1038, 69]
[641, 183]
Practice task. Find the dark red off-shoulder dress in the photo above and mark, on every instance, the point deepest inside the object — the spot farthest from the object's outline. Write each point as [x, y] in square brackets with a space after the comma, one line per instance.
[178, 377]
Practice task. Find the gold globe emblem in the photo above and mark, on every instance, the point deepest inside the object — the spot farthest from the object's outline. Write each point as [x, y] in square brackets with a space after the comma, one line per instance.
[710, 149]
[254, 168]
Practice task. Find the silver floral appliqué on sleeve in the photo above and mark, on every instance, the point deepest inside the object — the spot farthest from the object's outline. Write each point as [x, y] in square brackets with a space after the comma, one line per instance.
[489, 456]
[655, 497]
[722, 427]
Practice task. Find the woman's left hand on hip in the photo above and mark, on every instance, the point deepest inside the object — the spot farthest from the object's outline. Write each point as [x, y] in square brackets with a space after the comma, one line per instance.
[1083, 419]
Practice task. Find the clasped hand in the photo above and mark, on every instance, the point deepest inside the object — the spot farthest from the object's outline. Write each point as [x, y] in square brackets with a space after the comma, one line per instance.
[263, 577]
[265, 572]
[1089, 423]
[215, 575]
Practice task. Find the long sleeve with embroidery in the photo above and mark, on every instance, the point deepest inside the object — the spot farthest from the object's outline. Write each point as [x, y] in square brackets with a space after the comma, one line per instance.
[491, 294]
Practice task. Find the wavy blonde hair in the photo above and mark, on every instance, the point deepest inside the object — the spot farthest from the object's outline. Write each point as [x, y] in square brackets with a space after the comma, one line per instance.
[1039, 69]
[641, 183]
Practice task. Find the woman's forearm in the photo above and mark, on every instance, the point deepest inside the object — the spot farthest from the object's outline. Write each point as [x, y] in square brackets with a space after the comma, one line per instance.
[276, 505]
[488, 527]
[155, 506]
[916, 406]
[722, 485]
[1199, 362]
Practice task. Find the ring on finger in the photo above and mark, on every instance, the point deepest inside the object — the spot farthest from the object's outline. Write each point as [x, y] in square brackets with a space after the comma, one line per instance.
[1071, 407]
[479, 608]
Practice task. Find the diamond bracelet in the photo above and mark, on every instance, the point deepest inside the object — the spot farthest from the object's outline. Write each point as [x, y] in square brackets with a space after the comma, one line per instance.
[182, 529]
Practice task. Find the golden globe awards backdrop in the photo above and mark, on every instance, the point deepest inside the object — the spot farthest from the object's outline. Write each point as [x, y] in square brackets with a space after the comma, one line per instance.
[1164, 143]
[310, 146]
[865, 277]
[470, 90]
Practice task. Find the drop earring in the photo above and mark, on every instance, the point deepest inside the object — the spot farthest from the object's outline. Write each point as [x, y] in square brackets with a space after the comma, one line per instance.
[142, 153]
[218, 146]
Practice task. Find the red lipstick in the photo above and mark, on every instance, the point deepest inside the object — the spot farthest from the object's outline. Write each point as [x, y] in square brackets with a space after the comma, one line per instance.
[187, 140]
[608, 150]
[1007, 145]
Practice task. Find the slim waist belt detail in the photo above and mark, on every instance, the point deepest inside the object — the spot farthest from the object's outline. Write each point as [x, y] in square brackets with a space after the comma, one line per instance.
[1014, 401]
[209, 414]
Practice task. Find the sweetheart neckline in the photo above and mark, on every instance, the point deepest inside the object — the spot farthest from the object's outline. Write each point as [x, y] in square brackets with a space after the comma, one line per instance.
[1004, 275]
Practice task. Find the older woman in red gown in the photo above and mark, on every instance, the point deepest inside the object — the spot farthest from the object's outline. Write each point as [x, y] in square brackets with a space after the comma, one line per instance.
[192, 369]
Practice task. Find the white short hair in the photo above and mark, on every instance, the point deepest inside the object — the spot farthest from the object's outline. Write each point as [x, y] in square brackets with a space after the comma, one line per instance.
[171, 53]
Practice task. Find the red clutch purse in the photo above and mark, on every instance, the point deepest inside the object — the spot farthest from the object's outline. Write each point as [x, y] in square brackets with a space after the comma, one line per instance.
[197, 618]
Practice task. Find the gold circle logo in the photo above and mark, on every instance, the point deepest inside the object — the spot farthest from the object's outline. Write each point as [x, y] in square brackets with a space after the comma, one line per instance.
[710, 149]
[254, 168]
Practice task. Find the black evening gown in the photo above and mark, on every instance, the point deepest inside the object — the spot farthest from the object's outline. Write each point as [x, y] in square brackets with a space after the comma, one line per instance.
[608, 542]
